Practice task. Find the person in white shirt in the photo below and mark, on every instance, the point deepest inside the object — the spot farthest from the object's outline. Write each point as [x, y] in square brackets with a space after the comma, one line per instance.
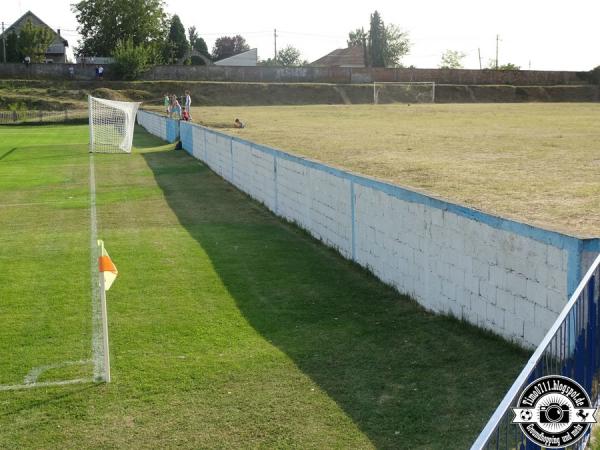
[188, 104]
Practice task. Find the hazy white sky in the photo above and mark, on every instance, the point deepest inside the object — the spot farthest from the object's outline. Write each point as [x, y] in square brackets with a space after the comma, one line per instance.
[543, 35]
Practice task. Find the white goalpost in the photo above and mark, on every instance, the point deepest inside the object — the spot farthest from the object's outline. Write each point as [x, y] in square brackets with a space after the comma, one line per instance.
[404, 92]
[111, 125]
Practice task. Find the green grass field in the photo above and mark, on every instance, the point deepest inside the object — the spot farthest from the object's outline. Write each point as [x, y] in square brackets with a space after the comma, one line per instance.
[228, 327]
[536, 163]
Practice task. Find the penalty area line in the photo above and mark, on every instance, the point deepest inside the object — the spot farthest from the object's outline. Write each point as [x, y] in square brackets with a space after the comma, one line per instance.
[18, 387]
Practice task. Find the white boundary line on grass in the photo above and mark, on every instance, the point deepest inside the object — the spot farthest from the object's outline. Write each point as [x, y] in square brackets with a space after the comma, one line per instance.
[34, 374]
[31, 378]
[95, 278]
[18, 387]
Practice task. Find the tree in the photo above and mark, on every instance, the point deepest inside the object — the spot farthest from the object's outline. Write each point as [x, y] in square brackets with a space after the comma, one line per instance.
[452, 59]
[289, 56]
[386, 44]
[13, 55]
[200, 46]
[192, 35]
[396, 45]
[177, 44]
[34, 41]
[131, 60]
[197, 43]
[103, 23]
[357, 38]
[227, 46]
[376, 41]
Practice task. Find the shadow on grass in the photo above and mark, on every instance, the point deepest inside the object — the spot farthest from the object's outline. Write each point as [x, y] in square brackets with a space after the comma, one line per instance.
[407, 378]
[143, 141]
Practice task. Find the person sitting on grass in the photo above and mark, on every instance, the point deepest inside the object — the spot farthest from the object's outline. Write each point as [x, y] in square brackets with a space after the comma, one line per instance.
[237, 123]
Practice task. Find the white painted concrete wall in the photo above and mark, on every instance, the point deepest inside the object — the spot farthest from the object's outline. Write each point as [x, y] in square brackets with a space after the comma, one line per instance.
[154, 123]
[502, 275]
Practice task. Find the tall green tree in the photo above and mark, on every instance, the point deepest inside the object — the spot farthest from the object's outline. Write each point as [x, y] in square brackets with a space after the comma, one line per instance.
[103, 23]
[177, 43]
[192, 35]
[396, 44]
[386, 44]
[34, 41]
[197, 43]
[377, 41]
[227, 46]
[13, 55]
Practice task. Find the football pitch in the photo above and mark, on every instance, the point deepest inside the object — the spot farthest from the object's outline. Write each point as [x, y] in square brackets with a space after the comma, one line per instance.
[533, 162]
[229, 328]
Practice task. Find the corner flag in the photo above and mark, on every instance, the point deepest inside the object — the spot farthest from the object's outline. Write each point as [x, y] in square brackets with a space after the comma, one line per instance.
[106, 267]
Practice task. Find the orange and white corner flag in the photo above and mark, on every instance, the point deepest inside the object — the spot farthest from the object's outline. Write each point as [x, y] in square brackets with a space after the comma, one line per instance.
[107, 268]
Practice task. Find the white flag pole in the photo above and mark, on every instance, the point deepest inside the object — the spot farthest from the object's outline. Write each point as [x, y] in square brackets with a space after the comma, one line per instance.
[104, 313]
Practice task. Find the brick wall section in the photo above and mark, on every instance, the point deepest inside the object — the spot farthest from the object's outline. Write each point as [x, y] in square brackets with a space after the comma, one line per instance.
[306, 74]
[501, 275]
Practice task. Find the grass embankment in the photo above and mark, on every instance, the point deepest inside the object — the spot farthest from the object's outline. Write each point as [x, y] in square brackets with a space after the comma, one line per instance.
[536, 163]
[229, 328]
[72, 94]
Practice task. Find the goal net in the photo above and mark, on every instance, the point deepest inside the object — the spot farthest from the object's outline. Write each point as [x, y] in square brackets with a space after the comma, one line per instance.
[111, 125]
[406, 92]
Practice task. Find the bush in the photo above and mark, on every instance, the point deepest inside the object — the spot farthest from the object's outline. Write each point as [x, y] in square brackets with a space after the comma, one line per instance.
[131, 60]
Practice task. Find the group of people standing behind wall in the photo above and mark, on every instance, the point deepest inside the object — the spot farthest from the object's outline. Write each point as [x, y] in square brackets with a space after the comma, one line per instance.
[173, 106]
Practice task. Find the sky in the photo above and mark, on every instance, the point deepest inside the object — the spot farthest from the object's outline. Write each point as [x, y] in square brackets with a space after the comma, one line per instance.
[533, 34]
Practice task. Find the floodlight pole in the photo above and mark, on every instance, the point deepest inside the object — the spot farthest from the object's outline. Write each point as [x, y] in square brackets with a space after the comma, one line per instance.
[104, 313]
[275, 42]
[497, 39]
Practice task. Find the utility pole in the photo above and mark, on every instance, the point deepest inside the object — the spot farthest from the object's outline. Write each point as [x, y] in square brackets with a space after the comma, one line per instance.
[3, 44]
[479, 53]
[275, 41]
[497, 39]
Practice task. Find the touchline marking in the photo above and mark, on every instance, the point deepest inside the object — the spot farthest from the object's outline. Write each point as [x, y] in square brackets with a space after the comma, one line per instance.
[50, 202]
[96, 318]
[17, 387]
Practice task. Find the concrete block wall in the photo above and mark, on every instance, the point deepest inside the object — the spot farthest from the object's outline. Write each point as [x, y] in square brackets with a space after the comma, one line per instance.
[153, 123]
[499, 274]
[160, 126]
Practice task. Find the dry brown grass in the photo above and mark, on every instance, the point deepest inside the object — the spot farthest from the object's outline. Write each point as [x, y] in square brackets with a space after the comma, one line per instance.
[536, 163]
